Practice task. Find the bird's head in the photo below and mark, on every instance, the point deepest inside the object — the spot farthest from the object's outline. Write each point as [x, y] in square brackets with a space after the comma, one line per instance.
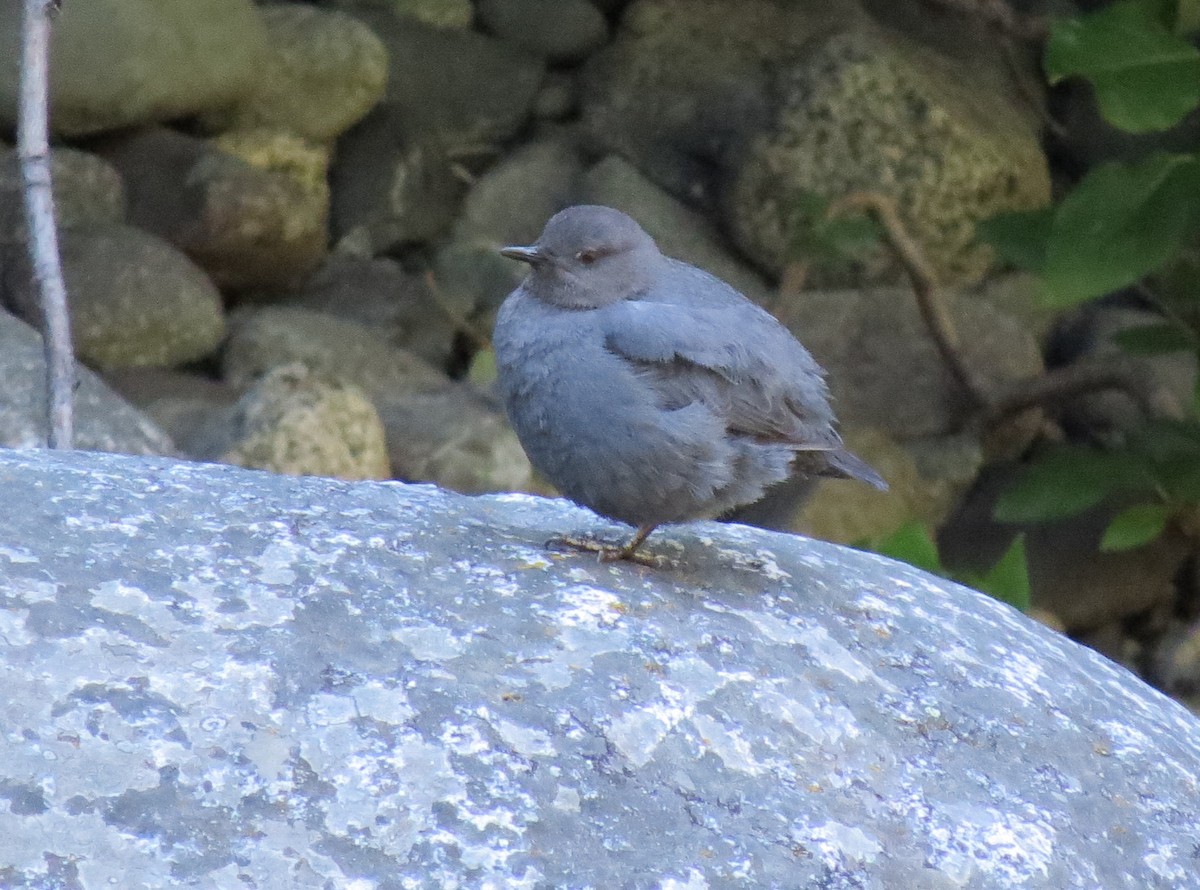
[589, 256]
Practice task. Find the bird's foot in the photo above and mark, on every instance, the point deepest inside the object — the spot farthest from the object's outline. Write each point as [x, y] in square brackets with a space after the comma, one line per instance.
[607, 551]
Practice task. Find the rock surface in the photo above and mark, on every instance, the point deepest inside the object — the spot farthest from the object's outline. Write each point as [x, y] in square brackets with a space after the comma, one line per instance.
[560, 30]
[391, 186]
[103, 420]
[465, 86]
[379, 294]
[324, 71]
[749, 105]
[243, 219]
[119, 63]
[293, 421]
[134, 299]
[230, 679]
[87, 191]
[263, 339]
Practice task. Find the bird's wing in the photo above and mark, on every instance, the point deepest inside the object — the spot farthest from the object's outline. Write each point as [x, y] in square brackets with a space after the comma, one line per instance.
[736, 359]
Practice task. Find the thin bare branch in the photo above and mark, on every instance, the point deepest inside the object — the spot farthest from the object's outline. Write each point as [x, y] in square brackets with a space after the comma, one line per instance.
[924, 284]
[33, 150]
[1063, 384]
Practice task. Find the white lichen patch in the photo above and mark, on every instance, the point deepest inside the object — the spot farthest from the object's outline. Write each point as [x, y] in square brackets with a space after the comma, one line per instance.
[277, 562]
[1164, 861]
[330, 710]
[638, 733]
[566, 800]
[12, 628]
[385, 703]
[1021, 676]
[116, 596]
[728, 743]
[17, 555]
[589, 607]
[1003, 846]
[528, 741]
[694, 880]
[30, 591]
[785, 701]
[429, 642]
[838, 845]
[833, 656]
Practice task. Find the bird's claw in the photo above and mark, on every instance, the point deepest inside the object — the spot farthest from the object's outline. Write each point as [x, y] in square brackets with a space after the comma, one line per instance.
[606, 551]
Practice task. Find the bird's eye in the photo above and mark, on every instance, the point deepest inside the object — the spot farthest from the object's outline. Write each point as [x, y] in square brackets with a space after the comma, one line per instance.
[587, 257]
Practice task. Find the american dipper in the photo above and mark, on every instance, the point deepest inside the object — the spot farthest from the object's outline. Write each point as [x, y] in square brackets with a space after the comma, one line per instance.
[649, 391]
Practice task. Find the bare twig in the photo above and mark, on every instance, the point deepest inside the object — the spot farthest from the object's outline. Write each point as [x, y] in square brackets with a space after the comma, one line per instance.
[791, 284]
[924, 284]
[1063, 384]
[33, 150]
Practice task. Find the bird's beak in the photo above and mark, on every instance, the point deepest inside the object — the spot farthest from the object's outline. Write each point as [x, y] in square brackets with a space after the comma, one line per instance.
[529, 255]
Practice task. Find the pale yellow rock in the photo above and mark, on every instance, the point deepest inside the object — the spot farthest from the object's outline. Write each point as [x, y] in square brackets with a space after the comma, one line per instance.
[293, 421]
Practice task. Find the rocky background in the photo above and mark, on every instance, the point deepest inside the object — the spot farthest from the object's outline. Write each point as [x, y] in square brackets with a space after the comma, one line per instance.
[279, 226]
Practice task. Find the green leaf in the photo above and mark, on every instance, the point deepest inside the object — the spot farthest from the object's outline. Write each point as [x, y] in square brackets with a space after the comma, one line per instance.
[1066, 482]
[1008, 579]
[1119, 223]
[1019, 238]
[1135, 526]
[1146, 78]
[911, 543]
[1170, 450]
[1155, 339]
[1181, 482]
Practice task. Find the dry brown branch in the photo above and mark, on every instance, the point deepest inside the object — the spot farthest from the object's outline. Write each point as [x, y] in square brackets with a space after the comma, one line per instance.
[791, 283]
[924, 284]
[33, 150]
[1062, 384]
[992, 409]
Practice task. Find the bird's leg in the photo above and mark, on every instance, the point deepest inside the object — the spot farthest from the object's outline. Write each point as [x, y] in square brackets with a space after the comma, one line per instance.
[612, 552]
[629, 551]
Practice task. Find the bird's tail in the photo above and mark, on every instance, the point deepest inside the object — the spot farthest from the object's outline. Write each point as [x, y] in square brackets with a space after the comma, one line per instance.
[844, 465]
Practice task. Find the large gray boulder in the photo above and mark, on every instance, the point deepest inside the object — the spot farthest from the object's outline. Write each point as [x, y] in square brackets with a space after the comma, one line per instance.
[228, 679]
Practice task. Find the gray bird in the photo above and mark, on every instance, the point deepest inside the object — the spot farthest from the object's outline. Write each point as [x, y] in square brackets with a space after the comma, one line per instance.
[649, 391]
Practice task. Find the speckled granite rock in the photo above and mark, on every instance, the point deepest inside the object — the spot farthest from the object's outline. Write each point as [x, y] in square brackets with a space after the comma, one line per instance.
[747, 104]
[87, 190]
[218, 678]
[134, 299]
[872, 111]
[293, 421]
